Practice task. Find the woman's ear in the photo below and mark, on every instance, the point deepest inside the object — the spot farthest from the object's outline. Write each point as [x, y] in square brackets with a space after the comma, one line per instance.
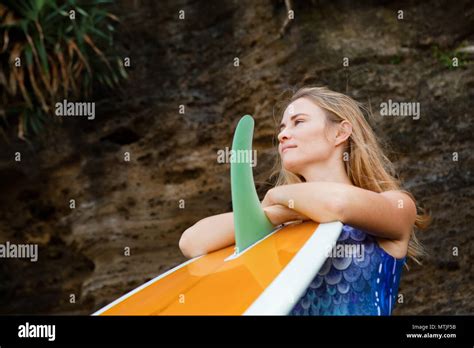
[344, 131]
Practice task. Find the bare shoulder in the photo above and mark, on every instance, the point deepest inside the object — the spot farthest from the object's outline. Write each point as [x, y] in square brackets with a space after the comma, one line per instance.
[402, 198]
[405, 208]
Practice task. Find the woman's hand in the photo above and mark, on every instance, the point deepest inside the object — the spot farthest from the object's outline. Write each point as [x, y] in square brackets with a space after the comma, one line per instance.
[278, 214]
[268, 199]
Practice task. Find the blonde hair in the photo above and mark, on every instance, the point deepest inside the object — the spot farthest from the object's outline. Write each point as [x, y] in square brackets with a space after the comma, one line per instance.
[367, 166]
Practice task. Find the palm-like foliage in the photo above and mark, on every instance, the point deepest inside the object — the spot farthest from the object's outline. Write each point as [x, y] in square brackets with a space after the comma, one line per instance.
[59, 57]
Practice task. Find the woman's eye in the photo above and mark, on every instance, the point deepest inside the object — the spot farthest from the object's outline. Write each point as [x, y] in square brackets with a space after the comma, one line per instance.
[298, 121]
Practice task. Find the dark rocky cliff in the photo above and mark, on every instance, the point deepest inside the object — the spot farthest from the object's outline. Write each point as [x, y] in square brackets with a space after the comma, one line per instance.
[135, 204]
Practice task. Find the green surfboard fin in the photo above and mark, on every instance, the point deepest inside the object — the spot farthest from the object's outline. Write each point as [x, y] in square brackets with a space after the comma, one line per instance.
[250, 222]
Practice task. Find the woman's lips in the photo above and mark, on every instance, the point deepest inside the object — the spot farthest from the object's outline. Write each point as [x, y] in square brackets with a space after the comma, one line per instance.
[287, 148]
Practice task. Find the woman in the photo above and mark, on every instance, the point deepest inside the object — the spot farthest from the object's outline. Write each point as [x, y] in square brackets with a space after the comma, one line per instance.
[332, 168]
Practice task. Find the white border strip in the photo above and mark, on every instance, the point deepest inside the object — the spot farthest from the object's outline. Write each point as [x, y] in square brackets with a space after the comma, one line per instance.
[127, 295]
[281, 295]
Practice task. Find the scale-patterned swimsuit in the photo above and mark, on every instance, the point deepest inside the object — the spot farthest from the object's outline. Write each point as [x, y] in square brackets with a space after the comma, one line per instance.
[357, 284]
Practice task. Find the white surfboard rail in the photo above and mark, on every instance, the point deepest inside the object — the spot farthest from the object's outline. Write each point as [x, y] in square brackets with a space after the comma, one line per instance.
[281, 295]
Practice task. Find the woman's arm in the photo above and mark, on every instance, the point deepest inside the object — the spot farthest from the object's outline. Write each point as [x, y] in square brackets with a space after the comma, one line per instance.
[209, 234]
[388, 214]
[217, 232]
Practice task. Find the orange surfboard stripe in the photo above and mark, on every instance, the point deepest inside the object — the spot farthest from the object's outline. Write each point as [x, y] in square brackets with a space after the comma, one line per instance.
[212, 286]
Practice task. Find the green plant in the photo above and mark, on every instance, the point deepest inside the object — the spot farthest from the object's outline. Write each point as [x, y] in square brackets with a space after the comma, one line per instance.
[395, 60]
[53, 49]
[446, 57]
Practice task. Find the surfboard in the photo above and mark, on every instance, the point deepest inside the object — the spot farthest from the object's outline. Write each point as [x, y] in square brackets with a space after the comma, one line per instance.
[264, 273]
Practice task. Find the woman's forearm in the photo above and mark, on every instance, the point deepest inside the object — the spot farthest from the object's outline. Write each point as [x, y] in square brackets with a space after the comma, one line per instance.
[209, 234]
[320, 201]
[217, 231]
[389, 214]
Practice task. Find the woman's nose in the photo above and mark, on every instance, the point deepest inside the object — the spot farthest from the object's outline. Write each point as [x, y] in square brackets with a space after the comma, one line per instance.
[283, 135]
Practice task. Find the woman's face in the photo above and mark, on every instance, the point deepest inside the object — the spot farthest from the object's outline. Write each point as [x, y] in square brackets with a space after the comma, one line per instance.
[303, 138]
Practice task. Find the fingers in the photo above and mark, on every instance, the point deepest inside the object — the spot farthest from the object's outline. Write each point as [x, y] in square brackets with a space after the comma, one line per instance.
[273, 214]
[278, 214]
[267, 200]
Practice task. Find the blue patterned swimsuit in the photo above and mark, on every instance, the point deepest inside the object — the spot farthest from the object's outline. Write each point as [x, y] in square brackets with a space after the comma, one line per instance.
[357, 283]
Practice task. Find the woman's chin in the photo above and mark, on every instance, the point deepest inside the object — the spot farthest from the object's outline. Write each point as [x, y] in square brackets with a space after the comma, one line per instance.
[291, 166]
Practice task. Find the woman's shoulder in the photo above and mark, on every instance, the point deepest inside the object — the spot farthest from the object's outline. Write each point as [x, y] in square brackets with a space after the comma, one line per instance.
[399, 195]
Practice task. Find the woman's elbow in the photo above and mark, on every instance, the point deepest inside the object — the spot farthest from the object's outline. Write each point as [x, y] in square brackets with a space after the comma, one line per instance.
[187, 246]
[184, 245]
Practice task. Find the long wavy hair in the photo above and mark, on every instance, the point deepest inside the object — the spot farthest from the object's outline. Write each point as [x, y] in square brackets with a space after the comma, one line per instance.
[365, 162]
